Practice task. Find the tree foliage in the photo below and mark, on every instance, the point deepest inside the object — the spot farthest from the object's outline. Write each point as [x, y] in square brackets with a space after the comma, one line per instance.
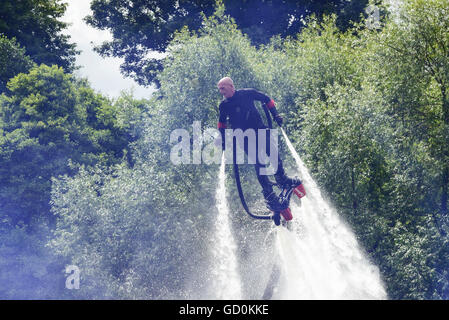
[365, 107]
[141, 28]
[36, 27]
[13, 61]
[46, 120]
[51, 124]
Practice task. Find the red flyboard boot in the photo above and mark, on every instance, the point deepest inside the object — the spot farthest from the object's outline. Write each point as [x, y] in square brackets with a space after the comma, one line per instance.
[287, 214]
[300, 191]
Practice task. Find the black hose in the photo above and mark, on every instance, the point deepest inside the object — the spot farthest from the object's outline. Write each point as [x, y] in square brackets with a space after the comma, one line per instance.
[237, 175]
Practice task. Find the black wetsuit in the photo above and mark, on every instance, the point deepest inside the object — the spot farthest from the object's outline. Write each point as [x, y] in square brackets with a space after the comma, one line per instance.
[243, 114]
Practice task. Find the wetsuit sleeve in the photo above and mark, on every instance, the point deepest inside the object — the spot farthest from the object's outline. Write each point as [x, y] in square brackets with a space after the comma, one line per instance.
[222, 124]
[271, 105]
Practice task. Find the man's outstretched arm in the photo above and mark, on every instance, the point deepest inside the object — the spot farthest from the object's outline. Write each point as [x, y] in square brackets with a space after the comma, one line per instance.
[271, 105]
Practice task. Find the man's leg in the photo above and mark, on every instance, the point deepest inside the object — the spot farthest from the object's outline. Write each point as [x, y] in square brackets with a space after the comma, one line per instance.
[279, 175]
[282, 180]
[265, 183]
[270, 196]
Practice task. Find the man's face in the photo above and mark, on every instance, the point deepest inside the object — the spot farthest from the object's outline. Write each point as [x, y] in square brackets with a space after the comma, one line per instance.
[226, 89]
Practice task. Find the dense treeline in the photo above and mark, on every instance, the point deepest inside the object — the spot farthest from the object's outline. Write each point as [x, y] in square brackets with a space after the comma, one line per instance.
[51, 124]
[91, 177]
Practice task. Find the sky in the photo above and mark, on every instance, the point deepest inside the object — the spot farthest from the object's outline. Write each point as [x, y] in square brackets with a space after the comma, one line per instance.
[102, 73]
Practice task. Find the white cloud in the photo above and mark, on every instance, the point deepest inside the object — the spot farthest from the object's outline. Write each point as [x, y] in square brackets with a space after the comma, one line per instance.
[103, 73]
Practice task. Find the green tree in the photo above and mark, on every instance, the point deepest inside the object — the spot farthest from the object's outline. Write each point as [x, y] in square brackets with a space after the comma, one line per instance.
[13, 61]
[40, 121]
[421, 38]
[51, 124]
[36, 27]
[47, 119]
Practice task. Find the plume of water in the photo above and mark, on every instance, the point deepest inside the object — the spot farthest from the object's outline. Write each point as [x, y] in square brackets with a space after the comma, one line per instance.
[320, 257]
[225, 276]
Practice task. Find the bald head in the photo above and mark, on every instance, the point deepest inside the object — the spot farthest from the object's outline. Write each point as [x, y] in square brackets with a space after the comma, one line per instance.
[226, 87]
[226, 80]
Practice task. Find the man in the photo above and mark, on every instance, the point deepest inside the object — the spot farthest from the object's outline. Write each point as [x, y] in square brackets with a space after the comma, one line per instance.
[238, 106]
